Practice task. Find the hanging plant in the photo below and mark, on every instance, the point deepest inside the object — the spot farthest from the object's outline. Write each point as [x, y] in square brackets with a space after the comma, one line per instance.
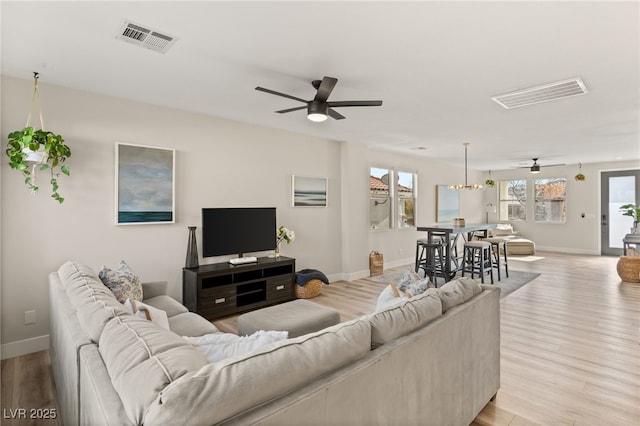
[579, 177]
[490, 183]
[30, 150]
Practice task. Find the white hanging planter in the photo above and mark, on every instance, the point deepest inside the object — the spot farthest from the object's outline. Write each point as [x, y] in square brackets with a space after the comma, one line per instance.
[35, 156]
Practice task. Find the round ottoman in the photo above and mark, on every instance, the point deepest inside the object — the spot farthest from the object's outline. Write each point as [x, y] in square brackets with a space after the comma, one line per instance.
[628, 268]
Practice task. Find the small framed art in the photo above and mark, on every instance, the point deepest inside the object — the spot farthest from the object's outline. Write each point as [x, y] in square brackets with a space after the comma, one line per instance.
[308, 191]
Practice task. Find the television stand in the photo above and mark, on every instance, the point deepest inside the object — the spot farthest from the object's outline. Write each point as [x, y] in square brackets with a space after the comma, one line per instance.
[222, 289]
[242, 260]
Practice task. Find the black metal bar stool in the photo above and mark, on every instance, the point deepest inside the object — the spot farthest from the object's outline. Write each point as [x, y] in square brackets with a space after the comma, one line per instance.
[499, 245]
[477, 258]
[430, 258]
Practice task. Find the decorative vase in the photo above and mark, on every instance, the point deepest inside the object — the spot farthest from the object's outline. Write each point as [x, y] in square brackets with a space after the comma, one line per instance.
[276, 252]
[192, 249]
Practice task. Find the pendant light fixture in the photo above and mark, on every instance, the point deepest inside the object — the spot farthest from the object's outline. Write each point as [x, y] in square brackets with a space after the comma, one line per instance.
[459, 186]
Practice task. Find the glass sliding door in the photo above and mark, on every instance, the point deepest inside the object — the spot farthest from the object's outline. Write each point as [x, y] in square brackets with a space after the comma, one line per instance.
[618, 188]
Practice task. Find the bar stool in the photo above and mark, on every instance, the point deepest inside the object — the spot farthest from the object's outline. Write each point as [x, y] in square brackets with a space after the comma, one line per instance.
[430, 258]
[477, 257]
[499, 245]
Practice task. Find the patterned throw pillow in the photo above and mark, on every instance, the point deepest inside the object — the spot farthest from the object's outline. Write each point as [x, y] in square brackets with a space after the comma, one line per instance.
[123, 282]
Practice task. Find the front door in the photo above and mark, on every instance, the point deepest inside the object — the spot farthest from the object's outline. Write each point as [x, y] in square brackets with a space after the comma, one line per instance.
[618, 188]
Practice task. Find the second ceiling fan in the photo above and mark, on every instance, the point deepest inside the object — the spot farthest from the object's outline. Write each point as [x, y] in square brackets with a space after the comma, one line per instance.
[535, 167]
[319, 108]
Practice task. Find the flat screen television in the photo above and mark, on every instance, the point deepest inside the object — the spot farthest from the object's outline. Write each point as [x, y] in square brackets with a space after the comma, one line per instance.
[238, 230]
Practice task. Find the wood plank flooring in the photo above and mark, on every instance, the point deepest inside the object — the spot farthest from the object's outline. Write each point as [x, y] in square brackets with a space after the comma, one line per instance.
[570, 349]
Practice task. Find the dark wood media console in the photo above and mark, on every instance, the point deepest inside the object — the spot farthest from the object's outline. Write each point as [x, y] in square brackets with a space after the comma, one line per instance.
[222, 289]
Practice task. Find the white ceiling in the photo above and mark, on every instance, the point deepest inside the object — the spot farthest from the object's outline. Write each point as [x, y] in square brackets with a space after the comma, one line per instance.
[435, 65]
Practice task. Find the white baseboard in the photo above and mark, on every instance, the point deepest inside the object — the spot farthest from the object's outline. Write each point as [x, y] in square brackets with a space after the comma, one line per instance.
[23, 347]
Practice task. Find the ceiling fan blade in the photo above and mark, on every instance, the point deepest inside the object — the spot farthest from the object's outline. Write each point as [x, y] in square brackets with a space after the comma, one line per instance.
[354, 103]
[552, 165]
[325, 88]
[284, 95]
[282, 111]
[334, 114]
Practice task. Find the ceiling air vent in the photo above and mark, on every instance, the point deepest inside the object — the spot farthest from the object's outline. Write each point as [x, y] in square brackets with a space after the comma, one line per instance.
[544, 93]
[145, 37]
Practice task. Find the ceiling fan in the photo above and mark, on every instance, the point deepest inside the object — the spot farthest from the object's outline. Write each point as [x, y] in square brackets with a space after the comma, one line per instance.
[319, 107]
[535, 167]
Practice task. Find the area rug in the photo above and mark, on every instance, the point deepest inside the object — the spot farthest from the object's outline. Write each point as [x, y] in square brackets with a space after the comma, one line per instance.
[516, 280]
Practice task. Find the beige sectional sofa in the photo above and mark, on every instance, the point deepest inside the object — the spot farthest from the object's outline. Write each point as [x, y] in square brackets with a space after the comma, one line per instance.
[433, 359]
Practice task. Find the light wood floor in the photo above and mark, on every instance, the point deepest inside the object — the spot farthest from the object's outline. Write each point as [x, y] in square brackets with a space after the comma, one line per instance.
[570, 347]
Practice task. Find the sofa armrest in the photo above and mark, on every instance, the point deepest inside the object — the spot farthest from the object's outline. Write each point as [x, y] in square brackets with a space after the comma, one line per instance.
[154, 288]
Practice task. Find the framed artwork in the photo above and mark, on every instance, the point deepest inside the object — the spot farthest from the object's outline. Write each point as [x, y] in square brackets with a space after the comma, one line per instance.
[145, 185]
[447, 203]
[308, 191]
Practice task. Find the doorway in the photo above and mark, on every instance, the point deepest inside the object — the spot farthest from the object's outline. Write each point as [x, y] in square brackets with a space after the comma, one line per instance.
[617, 188]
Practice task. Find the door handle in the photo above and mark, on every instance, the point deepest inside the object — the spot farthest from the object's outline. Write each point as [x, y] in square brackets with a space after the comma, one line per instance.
[604, 219]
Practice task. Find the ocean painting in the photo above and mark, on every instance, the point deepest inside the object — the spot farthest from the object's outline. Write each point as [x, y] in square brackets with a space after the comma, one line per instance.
[309, 191]
[144, 185]
[447, 204]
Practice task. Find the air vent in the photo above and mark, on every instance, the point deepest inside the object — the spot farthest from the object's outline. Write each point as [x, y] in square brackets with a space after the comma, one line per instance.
[145, 37]
[544, 93]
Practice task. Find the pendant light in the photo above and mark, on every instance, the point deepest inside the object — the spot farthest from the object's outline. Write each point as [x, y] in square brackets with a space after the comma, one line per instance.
[459, 186]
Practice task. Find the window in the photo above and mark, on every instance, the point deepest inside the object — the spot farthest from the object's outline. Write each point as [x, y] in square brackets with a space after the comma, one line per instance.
[513, 200]
[388, 203]
[379, 199]
[406, 199]
[550, 200]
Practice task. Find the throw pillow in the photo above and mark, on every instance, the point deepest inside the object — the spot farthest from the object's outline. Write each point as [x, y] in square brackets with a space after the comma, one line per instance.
[142, 310]
[219, 346]
[123, 282]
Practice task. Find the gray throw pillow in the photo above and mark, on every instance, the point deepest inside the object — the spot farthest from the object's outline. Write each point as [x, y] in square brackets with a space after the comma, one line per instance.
[122, 282]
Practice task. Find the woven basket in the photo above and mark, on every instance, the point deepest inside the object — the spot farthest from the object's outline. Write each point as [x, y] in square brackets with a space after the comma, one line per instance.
[310, 289]
[629, 268]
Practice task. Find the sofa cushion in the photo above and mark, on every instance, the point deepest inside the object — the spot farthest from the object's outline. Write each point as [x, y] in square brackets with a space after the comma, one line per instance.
[142, 359]
[403, 317]
[190, 324]
[457, 291]
[94, 303]
[123, 282]
[225, 388]
[168, 304]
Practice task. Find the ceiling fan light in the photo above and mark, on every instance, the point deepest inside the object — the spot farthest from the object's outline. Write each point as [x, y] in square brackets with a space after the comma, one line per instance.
[317, 117]
[317, 111]
[535, 169]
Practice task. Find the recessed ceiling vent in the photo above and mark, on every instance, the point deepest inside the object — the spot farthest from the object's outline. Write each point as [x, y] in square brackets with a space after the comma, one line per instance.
[544, 93]
[145, 37]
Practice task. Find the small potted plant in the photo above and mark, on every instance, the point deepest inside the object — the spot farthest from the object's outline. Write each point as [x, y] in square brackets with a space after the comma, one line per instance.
[490, 183]
[633, 211]
[30, 150]
[579, 177]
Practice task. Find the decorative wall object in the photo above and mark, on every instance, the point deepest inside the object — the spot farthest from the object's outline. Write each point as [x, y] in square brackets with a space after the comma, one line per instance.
[192, 249]
[145, 185]
[309, 191]
[447, 203]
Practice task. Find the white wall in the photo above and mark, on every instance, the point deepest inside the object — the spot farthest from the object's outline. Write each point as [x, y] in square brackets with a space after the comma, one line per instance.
[218, 163]
[578, 234]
